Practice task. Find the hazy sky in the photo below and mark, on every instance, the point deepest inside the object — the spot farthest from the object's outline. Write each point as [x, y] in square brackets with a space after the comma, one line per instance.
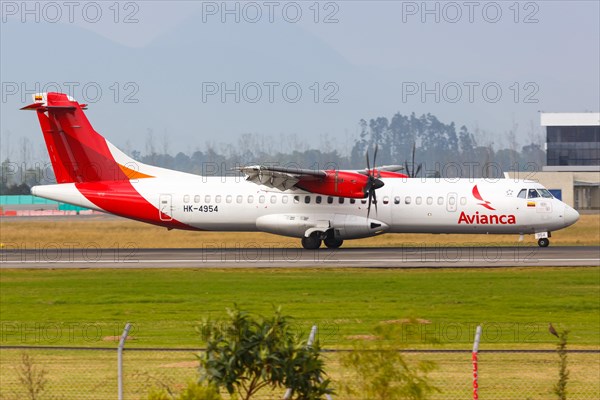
[198, 72]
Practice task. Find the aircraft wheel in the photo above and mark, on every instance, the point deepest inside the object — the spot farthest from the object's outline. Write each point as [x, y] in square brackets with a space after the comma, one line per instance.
[333, 243]
[311, 243]
[543, 242]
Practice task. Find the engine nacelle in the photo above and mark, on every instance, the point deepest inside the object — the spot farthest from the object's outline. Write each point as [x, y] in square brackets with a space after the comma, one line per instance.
[338, 183]
[344, 226]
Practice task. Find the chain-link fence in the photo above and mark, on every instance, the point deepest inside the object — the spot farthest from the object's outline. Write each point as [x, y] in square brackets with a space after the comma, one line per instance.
[74, 373]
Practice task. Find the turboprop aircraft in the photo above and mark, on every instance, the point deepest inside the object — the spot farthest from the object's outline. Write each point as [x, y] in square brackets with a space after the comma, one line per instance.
[318, 206]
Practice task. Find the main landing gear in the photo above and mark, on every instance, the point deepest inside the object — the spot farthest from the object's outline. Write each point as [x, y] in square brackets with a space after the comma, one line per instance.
[313, 242]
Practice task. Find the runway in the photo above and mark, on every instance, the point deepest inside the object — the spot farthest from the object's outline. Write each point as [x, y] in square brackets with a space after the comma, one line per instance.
[275, 257]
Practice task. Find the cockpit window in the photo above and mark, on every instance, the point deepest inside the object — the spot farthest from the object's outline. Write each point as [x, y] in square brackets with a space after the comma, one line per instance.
[532, 194]
[545, 193]
[522, 194]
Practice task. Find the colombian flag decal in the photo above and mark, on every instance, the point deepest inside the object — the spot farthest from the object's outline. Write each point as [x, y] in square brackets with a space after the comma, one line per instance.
[531, 204]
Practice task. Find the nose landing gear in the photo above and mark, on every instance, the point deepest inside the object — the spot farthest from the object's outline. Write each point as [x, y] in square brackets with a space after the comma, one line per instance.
[543, 238]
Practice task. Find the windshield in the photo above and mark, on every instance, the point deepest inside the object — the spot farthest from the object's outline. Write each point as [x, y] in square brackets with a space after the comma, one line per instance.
[545, 193]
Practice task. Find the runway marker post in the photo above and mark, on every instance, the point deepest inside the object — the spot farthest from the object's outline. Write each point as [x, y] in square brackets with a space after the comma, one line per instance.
[120, 360]
[309, 342]
[475, 366]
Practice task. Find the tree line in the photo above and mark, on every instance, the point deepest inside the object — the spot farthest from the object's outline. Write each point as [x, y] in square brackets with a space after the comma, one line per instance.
[443, 149]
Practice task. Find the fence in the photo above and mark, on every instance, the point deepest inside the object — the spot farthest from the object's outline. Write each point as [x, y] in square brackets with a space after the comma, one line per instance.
[85, 373]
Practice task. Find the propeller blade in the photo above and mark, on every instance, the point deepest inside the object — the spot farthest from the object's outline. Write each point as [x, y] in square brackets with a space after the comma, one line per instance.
[375, 201]
[368, 165]
[375, 157]
[413, 174]
[369, 206]
[418, 169]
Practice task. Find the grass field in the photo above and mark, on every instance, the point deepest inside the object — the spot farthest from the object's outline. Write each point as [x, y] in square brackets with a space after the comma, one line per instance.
[115, 232]
[90, 307]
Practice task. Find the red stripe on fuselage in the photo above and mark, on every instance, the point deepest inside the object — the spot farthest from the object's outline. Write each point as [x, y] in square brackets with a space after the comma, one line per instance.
[121, 198]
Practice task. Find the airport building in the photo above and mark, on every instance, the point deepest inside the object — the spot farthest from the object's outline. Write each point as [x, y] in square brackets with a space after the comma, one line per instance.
[572, 170]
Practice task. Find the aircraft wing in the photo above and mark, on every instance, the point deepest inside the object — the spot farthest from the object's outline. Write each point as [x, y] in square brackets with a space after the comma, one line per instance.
[281, 178]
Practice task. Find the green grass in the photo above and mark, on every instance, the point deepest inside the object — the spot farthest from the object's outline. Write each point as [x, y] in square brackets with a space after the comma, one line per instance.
[90, 307]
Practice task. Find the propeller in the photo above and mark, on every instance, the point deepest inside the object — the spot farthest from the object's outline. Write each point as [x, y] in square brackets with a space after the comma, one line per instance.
[373, 183]
[412, 173]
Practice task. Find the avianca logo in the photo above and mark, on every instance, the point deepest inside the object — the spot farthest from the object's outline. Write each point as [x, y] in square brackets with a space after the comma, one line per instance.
[485, 219]
[484, 203]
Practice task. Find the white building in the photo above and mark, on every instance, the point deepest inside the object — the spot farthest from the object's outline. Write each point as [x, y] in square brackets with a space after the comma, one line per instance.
[572, 171]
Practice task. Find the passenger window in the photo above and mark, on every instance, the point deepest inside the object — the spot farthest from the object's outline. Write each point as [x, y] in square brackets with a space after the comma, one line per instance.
[341, 200]
[397, 200]
[319, 199]
[363, 202]
[197, 198]
[407, 200]
[250, 199]
[522, 194]
[186, 198]
[329, 200]
[429, 201]
[307, 199]
[463, 201]
[452, 200]
[273, 199]
[440, 201]
[386, 200]
[261, 199]
[229, 198]
[284, 199]
[296, 199]
[352, 201]
[218, 198]
[418, 200]
[532, 194]
[239, 199]
[207, 198]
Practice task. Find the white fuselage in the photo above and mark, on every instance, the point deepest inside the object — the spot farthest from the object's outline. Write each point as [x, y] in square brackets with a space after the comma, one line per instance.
[404, 205]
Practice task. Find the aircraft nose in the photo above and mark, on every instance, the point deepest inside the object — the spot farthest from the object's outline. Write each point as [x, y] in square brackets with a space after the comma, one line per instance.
[570, 215]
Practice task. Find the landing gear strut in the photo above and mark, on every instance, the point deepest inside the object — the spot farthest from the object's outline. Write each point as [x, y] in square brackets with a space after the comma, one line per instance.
[312, 242]
[543, 242]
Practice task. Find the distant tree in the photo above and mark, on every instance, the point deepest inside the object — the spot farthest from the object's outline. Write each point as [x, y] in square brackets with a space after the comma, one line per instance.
[532, 154]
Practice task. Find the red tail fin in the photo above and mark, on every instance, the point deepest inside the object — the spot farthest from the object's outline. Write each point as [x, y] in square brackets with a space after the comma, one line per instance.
[78, 153]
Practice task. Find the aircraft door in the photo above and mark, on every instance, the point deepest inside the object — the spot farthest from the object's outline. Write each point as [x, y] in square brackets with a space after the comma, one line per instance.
[451, 201]
[165, 207]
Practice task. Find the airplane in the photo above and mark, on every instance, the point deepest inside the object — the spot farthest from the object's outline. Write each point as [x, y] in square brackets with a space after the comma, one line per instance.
[317, 206]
